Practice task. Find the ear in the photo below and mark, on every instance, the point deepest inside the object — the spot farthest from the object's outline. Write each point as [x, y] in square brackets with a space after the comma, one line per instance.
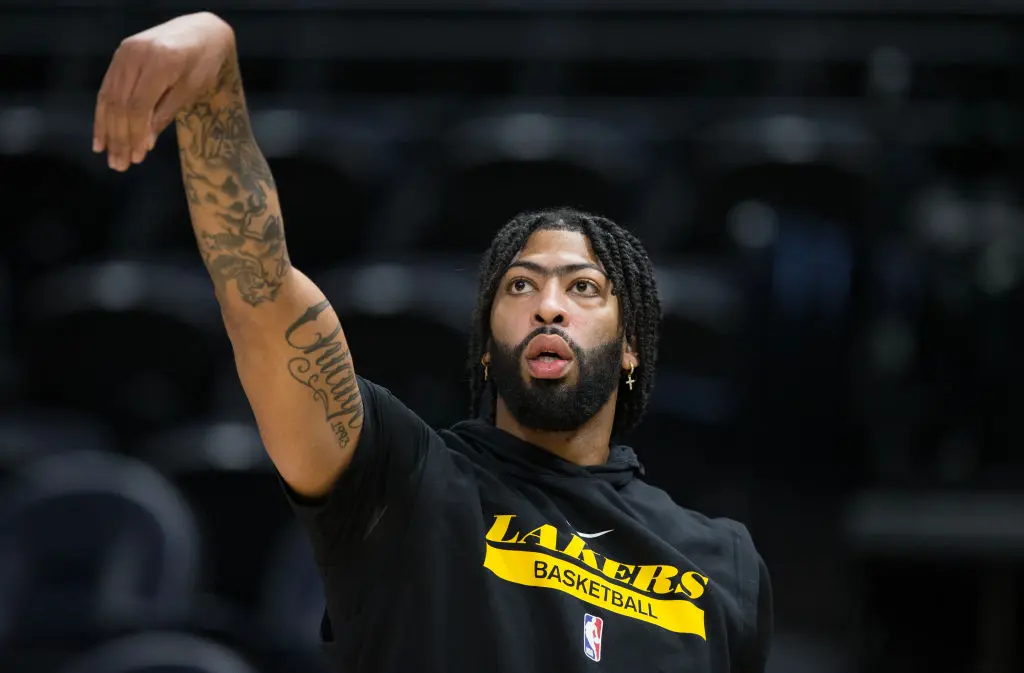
[630, 358]
[486, 359]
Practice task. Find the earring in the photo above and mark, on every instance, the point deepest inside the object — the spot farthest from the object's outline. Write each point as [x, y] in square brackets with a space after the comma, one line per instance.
[485, 369]
[629, 378]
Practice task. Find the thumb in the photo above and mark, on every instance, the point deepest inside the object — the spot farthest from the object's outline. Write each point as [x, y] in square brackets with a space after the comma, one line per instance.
[172, 102]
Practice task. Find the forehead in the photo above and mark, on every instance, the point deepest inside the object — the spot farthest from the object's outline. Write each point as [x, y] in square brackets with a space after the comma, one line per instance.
[557, 247]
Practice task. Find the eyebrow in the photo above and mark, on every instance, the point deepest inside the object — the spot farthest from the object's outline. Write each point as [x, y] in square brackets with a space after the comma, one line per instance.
[561, 270]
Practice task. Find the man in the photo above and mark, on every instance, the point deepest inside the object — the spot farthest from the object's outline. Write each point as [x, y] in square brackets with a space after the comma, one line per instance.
[521, 540]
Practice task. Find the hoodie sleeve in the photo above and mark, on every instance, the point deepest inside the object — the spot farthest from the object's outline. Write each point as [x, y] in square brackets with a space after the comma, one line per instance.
[757, 628]
[386, 475]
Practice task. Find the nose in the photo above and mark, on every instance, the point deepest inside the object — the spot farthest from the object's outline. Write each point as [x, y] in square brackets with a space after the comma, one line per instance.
[552, 309]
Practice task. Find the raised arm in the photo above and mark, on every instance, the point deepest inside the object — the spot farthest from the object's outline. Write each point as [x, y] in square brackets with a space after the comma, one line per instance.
[290, 351]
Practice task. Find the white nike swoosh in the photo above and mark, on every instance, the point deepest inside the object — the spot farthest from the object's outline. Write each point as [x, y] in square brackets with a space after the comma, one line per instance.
[590, 536]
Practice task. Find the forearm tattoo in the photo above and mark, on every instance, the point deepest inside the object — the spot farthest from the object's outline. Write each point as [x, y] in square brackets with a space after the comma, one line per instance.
[231, 193]
[324, 365]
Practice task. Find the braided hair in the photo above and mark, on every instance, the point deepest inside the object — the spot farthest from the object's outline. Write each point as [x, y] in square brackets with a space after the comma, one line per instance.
[627, 265]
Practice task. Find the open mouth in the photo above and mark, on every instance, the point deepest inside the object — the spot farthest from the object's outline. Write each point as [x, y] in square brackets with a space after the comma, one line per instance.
[548, 357]
[548, 347]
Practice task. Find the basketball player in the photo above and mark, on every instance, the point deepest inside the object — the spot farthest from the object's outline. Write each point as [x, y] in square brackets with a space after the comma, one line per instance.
[520, 540]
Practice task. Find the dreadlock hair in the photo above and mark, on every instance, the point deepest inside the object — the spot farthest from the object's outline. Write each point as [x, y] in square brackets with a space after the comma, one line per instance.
[627, 265]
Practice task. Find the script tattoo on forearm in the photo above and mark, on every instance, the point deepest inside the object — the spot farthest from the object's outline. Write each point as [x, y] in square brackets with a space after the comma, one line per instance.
[228, 184]
[325, 367]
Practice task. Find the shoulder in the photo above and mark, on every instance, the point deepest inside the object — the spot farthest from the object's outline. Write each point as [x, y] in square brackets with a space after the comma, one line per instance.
[678, 521]
[737, 575]
[722, 547]
[724, 552]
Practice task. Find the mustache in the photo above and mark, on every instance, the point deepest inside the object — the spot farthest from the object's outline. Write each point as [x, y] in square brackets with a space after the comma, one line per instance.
[548, 330]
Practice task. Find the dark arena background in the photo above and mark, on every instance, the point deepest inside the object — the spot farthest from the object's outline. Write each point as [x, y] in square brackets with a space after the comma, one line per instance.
[830, 190]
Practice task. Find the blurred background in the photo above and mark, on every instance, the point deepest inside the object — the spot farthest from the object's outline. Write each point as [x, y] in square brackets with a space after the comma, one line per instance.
[830, 190]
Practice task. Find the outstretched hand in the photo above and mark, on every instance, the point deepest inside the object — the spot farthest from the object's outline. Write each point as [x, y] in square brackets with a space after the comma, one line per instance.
[152, 77]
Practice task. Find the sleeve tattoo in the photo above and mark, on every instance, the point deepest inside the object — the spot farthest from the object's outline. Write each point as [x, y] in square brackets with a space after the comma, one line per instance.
[228, 185]
[237, 220]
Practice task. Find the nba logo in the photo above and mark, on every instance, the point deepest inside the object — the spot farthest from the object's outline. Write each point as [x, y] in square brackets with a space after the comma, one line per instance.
[592, 628]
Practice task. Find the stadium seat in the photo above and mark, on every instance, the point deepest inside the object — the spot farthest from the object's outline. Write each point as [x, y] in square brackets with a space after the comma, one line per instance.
[945, 296]
[160, 652]
[134, 343]
[407, 328]
[9, 370]
[325, 170]
[31, 433]
[421, 361]
[476, 202]
[292, 592]
[704, 313]
[327, 212]
[499, 165]
[65, 211]
[92, 544]
[225, 474]
[785, 198]
[292, 607]
[699, 389]
[814, 163]
[9, 378]
[904, 544]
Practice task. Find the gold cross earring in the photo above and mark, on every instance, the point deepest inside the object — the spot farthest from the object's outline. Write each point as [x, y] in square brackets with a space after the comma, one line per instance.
[485, 369]
[629, 379]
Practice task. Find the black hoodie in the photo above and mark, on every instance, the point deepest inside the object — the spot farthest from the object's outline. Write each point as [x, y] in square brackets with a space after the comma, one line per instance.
[471, 550]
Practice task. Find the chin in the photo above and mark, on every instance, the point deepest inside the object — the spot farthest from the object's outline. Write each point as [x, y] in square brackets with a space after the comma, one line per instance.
[565, 381]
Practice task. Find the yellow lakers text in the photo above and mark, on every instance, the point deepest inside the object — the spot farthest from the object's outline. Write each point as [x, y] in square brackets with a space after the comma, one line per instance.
[662, 595]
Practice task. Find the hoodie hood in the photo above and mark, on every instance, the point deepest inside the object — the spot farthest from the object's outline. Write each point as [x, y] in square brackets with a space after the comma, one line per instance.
[526, 459]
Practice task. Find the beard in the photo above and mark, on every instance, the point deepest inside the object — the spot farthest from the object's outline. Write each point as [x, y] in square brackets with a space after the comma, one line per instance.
[553, 404]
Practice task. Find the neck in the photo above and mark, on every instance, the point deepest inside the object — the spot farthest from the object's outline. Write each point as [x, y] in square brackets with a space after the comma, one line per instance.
[586, 445]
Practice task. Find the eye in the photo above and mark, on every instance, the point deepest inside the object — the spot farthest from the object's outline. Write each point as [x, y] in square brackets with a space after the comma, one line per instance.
[519, 285]
[586, 287]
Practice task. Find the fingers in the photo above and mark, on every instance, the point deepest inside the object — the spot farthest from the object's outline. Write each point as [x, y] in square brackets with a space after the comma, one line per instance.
[135, 81]
[139, 112]
[111, 124]
[99, 123]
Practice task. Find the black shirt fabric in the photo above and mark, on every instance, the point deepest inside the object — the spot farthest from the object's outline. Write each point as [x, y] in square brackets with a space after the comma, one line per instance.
[469, 549]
